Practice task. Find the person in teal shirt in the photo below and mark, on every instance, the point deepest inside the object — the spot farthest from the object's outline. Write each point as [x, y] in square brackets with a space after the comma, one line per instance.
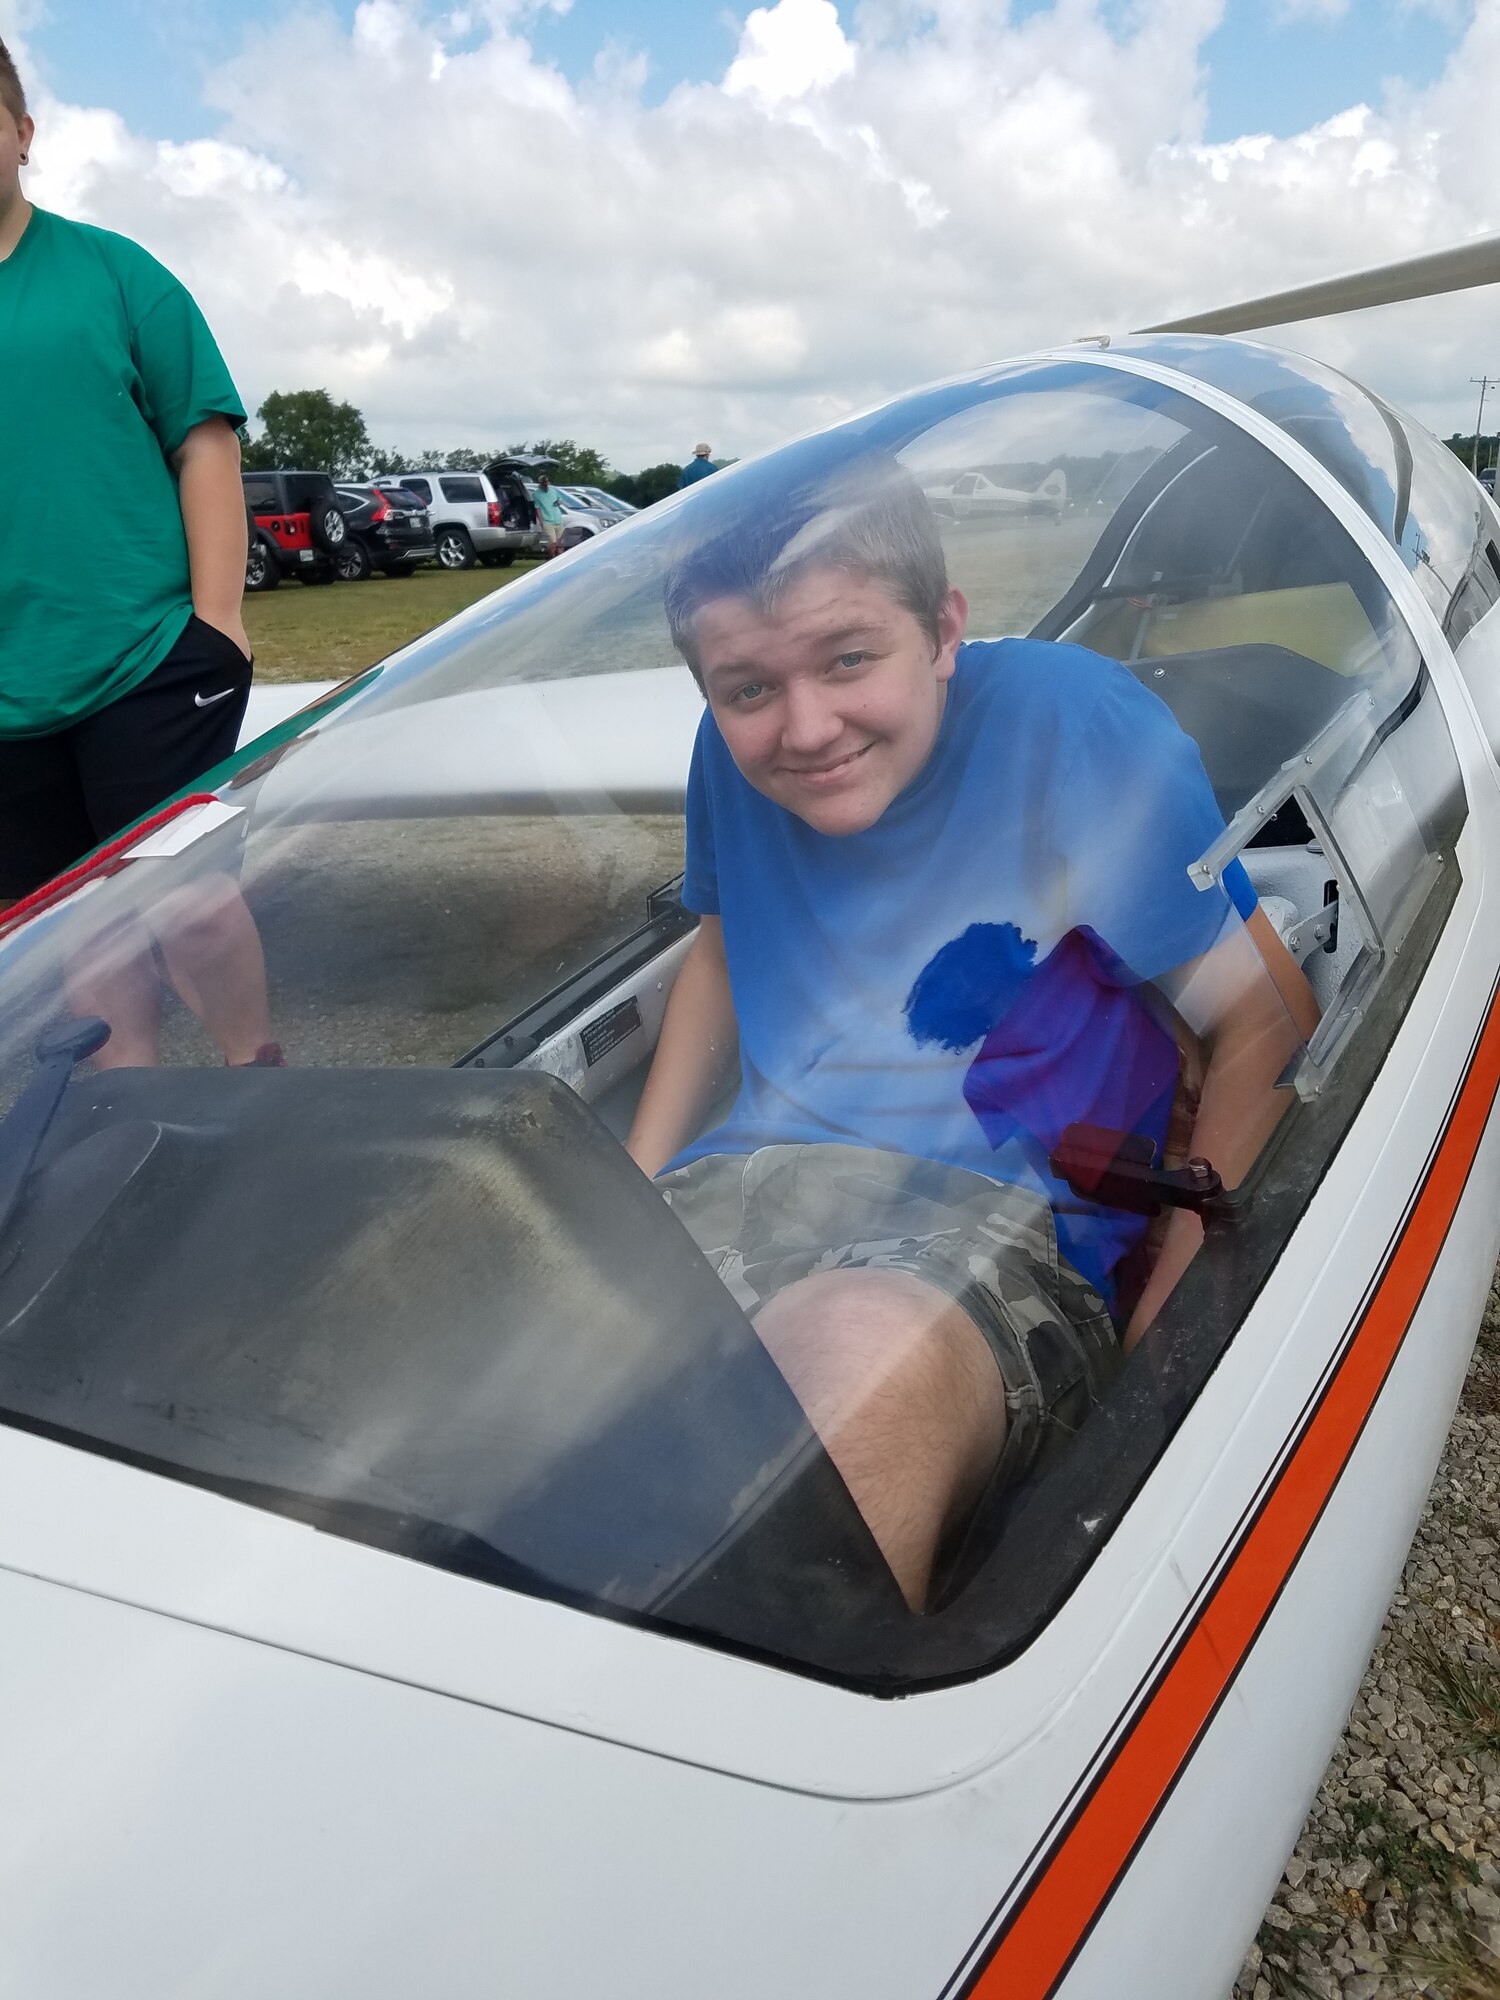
[549, 507]
[124, 666]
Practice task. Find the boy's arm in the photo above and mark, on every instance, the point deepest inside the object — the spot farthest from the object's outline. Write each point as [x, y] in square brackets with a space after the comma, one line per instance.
[694, 1056]
[1254, 1007]
[207, 464]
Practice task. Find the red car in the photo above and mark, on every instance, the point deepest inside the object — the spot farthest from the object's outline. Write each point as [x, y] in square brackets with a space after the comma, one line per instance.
[297, 528]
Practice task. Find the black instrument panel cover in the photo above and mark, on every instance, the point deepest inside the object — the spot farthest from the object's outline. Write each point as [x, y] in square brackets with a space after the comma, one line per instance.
[437, 1310]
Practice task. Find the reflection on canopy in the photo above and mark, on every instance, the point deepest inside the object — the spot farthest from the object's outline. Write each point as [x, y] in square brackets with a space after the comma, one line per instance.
[1415, 491]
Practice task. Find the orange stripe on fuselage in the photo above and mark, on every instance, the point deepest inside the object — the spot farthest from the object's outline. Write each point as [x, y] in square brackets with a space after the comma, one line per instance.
[1045, 1932]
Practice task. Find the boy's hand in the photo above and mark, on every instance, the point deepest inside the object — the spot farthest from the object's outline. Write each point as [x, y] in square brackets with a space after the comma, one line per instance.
[1259, 1011]
[232, 628]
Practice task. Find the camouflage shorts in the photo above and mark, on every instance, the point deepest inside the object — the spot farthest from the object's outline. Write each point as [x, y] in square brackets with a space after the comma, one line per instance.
[768, 1218]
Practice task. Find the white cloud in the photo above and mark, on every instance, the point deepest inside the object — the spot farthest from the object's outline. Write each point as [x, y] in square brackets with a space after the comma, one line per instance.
[788, 50]
[1312, 10]
[418, 212]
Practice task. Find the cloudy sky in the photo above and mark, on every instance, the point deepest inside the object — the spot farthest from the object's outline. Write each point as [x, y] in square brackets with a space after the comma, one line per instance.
[639, 222]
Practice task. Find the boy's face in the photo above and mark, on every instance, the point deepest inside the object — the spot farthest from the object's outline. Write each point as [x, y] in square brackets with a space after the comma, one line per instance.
[830, 703]
[15, 139]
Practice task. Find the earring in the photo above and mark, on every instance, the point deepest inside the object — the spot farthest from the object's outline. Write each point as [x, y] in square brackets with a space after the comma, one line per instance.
[24, 158]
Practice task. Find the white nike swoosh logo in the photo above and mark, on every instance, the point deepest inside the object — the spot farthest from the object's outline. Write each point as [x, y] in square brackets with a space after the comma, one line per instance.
[208, 700]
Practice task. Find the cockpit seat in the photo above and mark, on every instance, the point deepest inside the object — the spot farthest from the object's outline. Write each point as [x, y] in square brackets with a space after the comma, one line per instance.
[1322, 621]
[1248, 708]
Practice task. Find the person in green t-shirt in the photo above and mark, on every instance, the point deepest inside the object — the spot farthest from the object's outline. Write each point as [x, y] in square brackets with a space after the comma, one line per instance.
[124, 666]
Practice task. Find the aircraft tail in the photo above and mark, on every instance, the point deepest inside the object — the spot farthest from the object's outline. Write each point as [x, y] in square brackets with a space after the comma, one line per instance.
[1054, 489]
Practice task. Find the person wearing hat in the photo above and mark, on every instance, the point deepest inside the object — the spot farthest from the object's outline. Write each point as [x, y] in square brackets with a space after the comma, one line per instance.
[699, 466]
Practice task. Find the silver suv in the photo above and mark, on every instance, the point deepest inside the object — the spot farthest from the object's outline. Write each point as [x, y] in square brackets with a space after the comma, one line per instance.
[468, 521]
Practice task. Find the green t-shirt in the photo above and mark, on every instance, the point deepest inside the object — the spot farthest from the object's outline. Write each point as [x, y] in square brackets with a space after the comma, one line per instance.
[105, 366]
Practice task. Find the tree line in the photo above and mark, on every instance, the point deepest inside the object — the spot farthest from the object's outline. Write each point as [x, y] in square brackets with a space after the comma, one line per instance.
[306, 428]
[1463, 447]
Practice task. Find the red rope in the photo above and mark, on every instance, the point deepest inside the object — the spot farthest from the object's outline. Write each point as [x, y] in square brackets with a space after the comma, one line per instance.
[105, 860]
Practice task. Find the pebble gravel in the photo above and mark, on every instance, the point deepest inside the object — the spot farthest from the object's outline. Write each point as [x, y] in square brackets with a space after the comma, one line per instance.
[1394, 1885]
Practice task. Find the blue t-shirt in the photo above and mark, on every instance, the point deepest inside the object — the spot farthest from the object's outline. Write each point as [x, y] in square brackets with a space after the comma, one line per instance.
[960, 980]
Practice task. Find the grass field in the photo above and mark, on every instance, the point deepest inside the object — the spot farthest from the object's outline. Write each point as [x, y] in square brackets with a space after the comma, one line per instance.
[303, 633]
[1011, 571]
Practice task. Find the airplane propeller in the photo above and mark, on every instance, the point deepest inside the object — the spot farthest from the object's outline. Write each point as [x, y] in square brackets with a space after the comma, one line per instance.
[1453, 270]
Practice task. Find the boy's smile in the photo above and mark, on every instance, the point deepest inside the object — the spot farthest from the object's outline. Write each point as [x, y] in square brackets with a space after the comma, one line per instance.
[830, 702]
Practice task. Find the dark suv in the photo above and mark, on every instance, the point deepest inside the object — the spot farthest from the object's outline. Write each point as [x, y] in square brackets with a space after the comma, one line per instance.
[388, 529]
[296, 527]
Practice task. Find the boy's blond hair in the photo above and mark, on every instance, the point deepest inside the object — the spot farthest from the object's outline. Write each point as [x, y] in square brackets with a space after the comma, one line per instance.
[12, 96]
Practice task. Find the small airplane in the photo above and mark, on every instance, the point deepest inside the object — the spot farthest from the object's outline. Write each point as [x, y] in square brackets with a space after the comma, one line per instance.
[975, 496]
[417, 1577]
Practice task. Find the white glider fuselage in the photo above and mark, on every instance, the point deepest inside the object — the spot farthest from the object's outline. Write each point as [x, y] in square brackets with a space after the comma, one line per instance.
[247, 1757]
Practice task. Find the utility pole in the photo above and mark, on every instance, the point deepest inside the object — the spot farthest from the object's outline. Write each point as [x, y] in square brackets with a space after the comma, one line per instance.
[1484, 382]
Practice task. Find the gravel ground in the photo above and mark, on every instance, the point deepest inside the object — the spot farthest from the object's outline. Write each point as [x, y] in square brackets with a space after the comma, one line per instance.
[1394, 1885]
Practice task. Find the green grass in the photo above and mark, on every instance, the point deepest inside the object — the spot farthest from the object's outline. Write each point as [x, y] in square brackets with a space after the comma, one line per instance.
[1463, 1976]
[1469, 1693]
[1403, 1856]
[305, 632]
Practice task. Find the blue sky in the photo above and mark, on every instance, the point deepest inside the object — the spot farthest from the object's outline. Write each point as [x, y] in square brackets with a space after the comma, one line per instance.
[1281, 76]
[147, 58]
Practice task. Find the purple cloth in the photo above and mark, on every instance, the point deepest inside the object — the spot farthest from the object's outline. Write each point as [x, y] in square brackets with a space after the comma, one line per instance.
[1077, 1045]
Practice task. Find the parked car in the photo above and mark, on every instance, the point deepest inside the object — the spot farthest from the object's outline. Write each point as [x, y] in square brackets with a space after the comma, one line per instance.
[610, 502]
[585, 515]
[389, 530]
[467, 516]
[296, 527]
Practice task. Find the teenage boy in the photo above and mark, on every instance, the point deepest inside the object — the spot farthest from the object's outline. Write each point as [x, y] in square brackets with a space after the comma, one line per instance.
[932, 880]
[124, 667]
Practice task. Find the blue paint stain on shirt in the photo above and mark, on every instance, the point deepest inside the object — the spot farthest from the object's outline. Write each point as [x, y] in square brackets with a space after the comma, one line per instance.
[969, 984]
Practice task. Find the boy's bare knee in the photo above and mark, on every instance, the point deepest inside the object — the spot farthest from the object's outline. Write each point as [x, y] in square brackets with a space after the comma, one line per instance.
[864, 1329]
[901, 1386]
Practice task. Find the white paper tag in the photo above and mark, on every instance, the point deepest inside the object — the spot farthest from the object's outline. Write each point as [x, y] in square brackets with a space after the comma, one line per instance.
[183, 831]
